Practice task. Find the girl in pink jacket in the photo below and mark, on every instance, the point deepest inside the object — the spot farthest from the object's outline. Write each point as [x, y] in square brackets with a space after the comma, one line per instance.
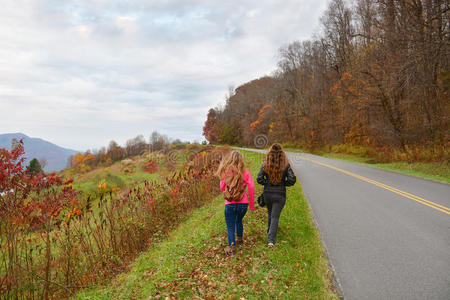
[233, 182]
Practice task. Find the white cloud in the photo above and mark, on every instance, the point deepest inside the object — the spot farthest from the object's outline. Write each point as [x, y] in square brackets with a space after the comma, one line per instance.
[81, 73]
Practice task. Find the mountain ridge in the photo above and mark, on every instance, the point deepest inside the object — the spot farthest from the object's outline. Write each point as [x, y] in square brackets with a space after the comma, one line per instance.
[55, 155]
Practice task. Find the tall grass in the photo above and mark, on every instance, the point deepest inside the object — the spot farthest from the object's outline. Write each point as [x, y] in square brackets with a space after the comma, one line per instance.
[383, 154]
[386, 154]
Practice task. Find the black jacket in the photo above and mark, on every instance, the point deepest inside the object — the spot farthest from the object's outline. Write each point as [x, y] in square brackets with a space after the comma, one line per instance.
[287, 179]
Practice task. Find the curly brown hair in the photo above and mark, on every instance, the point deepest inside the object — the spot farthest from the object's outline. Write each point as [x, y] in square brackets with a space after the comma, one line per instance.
[275, 163]
[231, 169]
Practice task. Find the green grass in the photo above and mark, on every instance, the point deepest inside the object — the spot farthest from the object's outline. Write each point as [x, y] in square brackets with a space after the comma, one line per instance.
[429, 170]
[113, 176]
[192, 262]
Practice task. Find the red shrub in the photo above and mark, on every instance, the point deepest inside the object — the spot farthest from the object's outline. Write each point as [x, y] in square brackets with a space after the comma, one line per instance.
[55, 243]
[31, 207]
[151, 166]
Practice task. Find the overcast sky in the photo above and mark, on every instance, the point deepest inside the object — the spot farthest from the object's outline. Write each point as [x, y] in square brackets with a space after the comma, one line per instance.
[81, 73]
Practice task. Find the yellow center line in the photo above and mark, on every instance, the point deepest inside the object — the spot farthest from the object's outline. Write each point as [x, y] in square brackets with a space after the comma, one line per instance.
[429, 203]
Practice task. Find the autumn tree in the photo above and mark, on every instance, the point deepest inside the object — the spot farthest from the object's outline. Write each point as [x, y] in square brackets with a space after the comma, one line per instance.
[135, 146]
[158, 141]
[114, 152]
[211, 126]
[89, 159]
[77, 160]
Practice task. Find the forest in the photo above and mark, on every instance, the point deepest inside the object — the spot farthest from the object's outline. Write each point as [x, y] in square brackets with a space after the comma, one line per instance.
[375, 76]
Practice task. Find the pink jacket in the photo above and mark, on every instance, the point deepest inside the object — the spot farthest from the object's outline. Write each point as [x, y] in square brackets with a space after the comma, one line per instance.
[248, 198]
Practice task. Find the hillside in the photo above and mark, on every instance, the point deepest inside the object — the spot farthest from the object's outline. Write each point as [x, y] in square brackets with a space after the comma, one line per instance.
[192, 264]
[55, 155]
[84, 227]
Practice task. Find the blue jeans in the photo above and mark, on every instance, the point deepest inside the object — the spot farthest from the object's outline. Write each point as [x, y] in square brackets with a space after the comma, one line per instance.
[234, 213]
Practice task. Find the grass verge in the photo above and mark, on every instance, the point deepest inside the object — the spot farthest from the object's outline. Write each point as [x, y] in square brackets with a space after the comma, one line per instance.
[192, 263]
[428, 170]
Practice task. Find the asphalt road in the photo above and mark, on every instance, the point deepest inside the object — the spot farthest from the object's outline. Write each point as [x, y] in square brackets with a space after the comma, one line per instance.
[387, 235]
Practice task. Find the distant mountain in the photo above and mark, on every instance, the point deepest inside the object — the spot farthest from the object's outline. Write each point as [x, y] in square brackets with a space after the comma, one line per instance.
[38, 148]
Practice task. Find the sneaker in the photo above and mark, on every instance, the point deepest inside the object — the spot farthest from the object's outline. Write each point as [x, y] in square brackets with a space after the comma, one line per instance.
[239, 241]
[270, 244]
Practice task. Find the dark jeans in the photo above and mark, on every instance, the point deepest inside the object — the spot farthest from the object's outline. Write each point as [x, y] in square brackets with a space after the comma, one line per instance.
[275, 203]
[234, 213]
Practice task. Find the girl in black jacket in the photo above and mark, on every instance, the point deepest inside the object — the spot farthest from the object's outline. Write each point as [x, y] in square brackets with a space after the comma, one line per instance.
[275, 175]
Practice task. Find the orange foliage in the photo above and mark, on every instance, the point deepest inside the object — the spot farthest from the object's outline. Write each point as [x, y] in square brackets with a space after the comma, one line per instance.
[255, 126]
[89, 158]
[78, 160]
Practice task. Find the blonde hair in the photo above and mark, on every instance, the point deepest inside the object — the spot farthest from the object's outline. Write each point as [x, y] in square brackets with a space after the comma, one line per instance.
[275, 163]
[231, 169]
